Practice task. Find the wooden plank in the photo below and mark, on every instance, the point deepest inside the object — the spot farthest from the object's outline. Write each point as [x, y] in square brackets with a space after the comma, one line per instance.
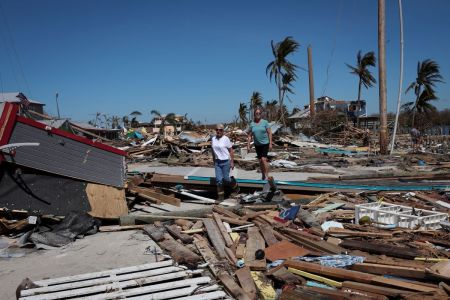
[215, 237]
[234, 221]
[335, 273]
[254, 242]
[314, 277]
[314, 245]
[240, 251]
[113, 228]
[252, 214]
[219, 209]
[223, 230]
[384, 249]
[179, 252]
[159, 197]
[346, 232]
[176, 233]
[403, 284]
[328, 208]
[232, 287]
[268, 235]
[390, 270]
[284, 250]
[246, 281]
[197, 225]
[382, 290]
[302, 294]
[208, 255]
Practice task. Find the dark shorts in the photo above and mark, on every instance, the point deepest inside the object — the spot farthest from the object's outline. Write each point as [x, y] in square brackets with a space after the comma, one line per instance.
[262, 150]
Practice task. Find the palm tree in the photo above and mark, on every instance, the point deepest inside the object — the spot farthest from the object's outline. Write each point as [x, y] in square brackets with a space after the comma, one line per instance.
[270, 107]
[243, 114]
[281, 65]
[286, 86]
[256, 100]
[125, 121]
[428, 75]
[361, 69]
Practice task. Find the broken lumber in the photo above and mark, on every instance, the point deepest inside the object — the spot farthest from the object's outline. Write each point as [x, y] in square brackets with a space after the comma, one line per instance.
[254, 242]
[390, 270]
[180, 253]
[246, 281]
[377, 248]
[176, 233]
[223, 230]
[208, 255]
[232, 287]
[215, 237]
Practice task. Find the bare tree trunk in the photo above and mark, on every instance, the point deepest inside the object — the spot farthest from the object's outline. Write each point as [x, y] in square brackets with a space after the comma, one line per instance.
[359, 88]
[382, 75]
[311, 83]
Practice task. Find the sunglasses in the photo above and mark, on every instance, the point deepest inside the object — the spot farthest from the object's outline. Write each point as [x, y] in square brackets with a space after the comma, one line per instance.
[217, 129]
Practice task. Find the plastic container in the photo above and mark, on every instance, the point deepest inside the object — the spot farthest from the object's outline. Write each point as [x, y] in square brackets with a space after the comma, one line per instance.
[399, 215]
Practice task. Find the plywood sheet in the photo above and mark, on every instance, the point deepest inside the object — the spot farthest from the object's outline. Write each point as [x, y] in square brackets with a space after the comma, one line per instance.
[106, 201]
[284, 250]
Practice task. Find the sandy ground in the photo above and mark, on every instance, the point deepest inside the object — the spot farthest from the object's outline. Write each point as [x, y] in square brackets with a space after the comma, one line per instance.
[101, 251]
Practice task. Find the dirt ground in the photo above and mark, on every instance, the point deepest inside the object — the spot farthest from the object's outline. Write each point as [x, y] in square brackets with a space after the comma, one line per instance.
[101, 251]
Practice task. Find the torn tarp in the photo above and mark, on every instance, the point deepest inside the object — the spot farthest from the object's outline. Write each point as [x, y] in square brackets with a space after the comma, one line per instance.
[73, 226]
[192, 137]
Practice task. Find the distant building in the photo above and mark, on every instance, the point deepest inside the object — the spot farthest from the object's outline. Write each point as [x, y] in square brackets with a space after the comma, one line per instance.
[169, 129]
[352, 109]
[12, 98]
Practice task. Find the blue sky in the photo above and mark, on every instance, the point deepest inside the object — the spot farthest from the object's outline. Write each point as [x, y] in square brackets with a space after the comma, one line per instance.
[205, 57]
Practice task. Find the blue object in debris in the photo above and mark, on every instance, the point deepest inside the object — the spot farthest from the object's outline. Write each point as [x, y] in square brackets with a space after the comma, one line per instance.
[290, 213]
[335, 261]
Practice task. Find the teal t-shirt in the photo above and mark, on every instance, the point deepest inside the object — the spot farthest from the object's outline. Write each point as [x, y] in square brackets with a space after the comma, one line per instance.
[259, 131]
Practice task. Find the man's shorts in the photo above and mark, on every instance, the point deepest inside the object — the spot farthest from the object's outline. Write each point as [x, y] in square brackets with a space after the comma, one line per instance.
[262, 150]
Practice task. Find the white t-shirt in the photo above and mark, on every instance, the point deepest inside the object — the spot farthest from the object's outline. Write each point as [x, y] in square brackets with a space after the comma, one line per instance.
[220, 147]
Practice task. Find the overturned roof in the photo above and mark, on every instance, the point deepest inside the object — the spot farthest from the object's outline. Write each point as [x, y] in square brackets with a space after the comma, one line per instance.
[12, 97]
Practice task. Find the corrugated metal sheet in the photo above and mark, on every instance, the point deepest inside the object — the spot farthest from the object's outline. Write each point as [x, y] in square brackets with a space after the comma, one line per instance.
[61, 155]
[12, 97]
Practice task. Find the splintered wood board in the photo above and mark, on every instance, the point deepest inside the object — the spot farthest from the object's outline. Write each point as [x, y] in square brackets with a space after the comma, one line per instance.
[255, 242]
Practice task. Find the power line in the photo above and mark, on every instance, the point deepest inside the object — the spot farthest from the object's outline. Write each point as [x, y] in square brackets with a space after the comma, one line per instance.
[338, 23]
[8, 30]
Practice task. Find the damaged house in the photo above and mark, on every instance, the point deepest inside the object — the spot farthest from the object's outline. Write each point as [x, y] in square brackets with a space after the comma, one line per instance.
[52, 171]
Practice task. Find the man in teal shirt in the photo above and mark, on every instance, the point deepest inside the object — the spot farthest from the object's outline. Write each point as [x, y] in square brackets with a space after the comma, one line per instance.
[259, 131]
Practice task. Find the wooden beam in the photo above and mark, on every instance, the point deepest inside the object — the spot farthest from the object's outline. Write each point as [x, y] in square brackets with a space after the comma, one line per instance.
[159, 197]
[336, 273]
[268, 235]
[215, 237]
[345, 232]
[417, 287]
[382, 290]
[246, 281]
[223, 230]
[384, 249]
[176, 233]
[232, 287]
[316, 277]
[390, 270]
[219, 209]
[208, 255]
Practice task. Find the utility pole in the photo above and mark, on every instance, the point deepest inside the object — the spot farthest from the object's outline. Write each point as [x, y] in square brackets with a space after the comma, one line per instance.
[400, 84]
[57, 105]
[311, 84]
[382, 77]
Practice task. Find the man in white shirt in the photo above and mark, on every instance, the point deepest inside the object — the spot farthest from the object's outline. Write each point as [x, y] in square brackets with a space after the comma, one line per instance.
[223, 157]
